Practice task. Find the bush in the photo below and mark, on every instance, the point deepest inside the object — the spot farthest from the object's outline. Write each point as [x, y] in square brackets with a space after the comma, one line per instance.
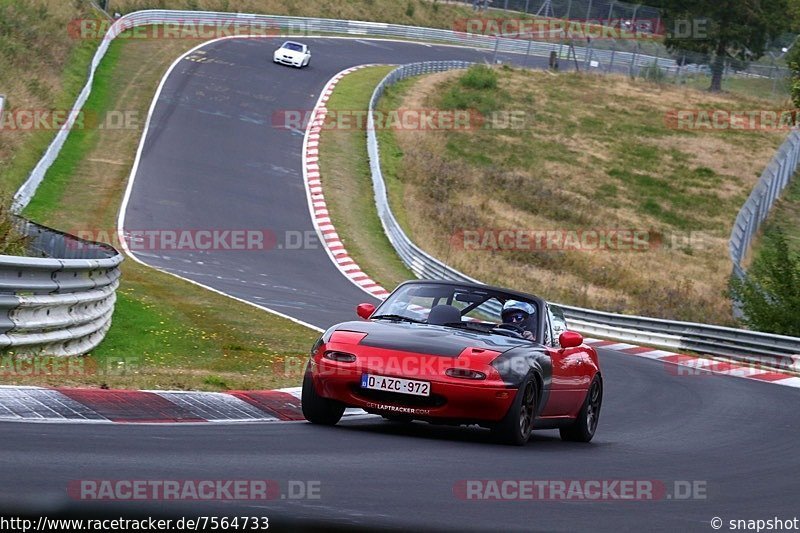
[770, 293]
[479, 77]
[476, 89]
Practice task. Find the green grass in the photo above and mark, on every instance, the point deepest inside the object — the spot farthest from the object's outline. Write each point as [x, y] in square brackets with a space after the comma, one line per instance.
[391, 154]
[80, 140]
[777, 90]
[785, 215]
[347, 183]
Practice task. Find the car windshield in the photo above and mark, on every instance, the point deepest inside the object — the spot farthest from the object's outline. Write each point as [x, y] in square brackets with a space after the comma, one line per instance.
[295, 47]
[474, 307]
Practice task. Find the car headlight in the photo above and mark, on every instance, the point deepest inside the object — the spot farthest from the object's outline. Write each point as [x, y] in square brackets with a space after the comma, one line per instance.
[342, 357]
[464, 373]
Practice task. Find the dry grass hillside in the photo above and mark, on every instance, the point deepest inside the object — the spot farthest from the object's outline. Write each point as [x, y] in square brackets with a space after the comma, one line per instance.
[435, 13]
[41, 68]
[596, 153]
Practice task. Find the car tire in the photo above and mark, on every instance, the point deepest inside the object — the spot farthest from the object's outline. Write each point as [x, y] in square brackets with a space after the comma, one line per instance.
[317, 409]
[586, 424]
[516, 427]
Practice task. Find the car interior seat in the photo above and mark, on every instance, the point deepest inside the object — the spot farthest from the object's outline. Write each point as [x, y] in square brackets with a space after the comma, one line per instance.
[443, 314]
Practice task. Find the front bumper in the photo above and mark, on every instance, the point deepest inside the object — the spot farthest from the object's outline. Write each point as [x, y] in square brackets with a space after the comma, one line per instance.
[287, 61]
[463, 401]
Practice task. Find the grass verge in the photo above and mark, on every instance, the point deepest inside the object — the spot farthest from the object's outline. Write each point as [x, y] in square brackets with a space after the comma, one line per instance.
[785, 215]
[347, 182]
[166, 333]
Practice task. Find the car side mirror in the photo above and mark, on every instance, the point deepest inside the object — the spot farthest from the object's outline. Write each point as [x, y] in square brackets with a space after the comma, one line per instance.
[365, 310]
[570, 339]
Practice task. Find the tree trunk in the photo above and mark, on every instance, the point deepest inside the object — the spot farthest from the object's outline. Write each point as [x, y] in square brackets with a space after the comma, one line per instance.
[717, 68]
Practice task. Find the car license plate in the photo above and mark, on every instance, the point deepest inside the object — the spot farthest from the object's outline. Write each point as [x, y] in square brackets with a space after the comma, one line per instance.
[403, 386]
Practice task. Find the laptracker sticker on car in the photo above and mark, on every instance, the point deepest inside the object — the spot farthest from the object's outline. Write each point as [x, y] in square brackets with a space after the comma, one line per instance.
[397, 409]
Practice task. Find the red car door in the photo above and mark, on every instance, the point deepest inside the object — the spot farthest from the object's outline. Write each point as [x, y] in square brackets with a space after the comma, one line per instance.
[570, 381]
[572, 368]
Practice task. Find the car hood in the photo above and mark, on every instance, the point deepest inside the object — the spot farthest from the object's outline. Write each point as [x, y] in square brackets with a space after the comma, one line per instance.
[427, 339]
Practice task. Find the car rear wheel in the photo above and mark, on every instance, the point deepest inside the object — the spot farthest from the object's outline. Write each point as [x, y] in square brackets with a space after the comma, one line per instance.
[517, 425]
[317, 409]
[586, 424]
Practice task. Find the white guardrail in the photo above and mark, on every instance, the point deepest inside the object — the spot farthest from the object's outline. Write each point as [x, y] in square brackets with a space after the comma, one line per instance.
[762, 348]
[60, 303]
[758, 205]
[699, 337]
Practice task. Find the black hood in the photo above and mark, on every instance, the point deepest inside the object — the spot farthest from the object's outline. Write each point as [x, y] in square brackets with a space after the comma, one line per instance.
[427, 339]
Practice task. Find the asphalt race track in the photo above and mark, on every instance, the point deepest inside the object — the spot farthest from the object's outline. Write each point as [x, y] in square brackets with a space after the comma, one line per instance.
[213, 160]
[737, 436]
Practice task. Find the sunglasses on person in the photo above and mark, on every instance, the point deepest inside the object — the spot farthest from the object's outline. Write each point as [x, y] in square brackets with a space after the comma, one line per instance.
[517, 317]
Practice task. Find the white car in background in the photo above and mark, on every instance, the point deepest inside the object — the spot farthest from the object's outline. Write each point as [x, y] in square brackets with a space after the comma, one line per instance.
[292, 53]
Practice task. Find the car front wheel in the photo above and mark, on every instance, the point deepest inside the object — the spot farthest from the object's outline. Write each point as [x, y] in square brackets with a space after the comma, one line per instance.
[586, 424]
[517, 426]
[317, 409]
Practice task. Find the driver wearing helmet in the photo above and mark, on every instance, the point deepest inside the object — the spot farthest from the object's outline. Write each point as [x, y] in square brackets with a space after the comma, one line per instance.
[522, 315]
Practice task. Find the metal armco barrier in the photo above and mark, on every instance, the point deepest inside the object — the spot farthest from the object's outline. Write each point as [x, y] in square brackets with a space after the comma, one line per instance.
[58, 304]
[755, 210]
[742, 345]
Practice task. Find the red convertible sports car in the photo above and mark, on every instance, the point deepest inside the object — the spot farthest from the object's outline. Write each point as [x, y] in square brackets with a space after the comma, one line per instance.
[458, 353]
